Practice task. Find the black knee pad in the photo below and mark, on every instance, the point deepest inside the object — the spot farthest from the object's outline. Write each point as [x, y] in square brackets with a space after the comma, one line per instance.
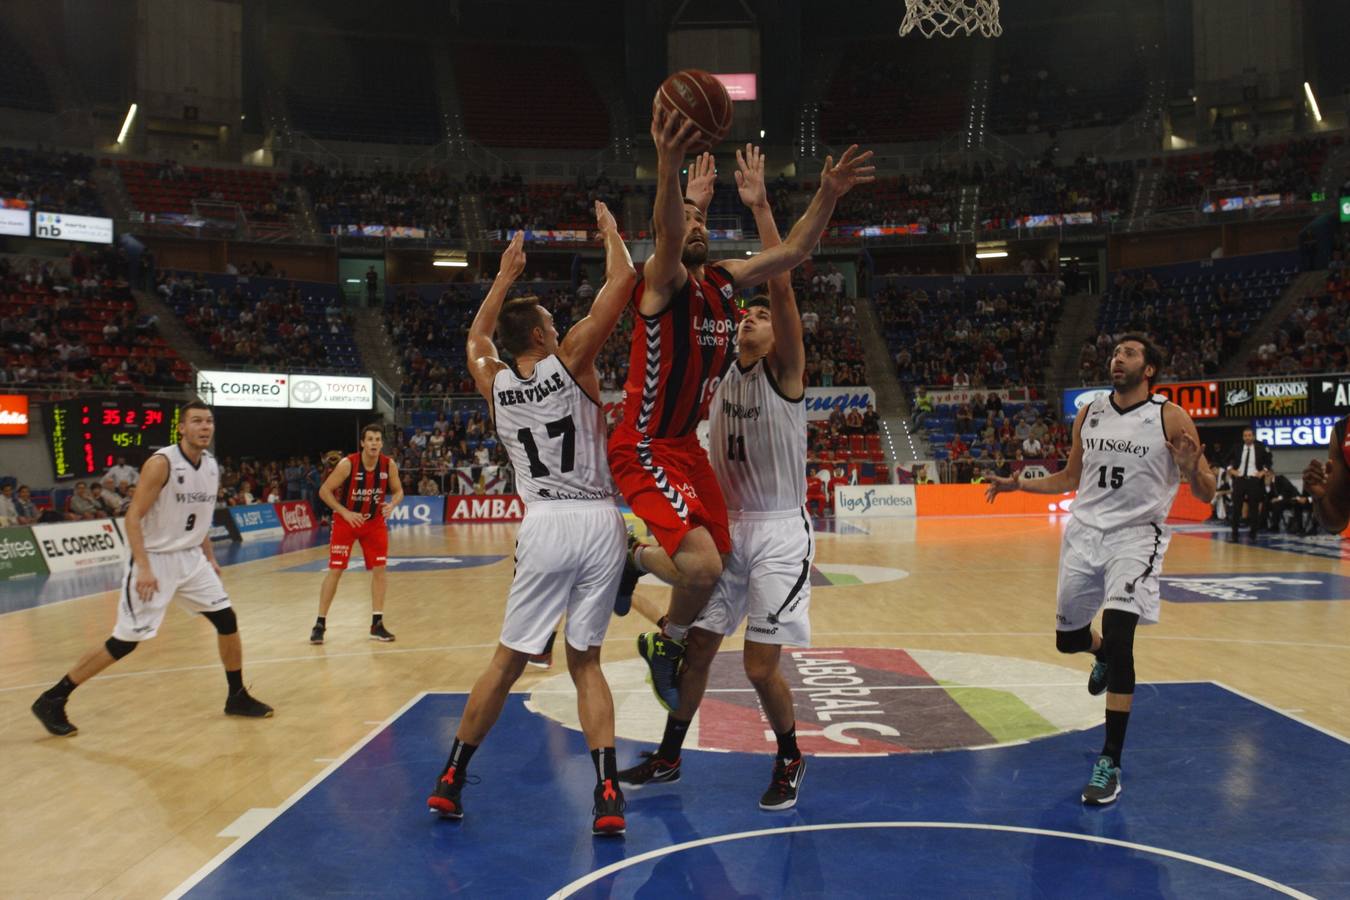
[223, 619]
[1079, 641]
[118, 648]
[1118, 647]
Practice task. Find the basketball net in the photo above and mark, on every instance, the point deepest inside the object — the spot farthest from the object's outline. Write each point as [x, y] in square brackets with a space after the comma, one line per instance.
[949, 18]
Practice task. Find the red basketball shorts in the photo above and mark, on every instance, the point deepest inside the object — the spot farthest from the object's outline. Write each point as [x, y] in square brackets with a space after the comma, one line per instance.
[373, 536]
[668, 483]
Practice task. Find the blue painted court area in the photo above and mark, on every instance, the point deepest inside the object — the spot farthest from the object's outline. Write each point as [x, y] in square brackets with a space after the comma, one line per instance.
[1222, 797]
[1326, 546]
[409, 563]
[1248, 587]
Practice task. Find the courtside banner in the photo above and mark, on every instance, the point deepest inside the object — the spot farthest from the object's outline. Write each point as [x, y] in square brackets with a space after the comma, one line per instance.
[263, 390]
[957, 396]
[874, 500]
[67, 546]
[296, 515]
[821, 401]
[500, 508]
[332, 392]
[1200, 399]
[14, 414]
[419, 510]
[257, 521]
[969, 500]
[19, 554]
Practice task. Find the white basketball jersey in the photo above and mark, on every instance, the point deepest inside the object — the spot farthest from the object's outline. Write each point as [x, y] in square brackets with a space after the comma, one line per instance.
[181, 515]
[757, 441]
[1129, 476]
[553, 432]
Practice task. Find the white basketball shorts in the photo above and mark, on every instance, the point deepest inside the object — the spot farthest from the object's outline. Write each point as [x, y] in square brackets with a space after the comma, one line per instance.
[569, 559]
[1115, 569]
[766, 581]
[184, 573]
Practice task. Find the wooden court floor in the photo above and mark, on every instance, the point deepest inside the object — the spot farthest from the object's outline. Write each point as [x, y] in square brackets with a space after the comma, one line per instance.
[137, 801]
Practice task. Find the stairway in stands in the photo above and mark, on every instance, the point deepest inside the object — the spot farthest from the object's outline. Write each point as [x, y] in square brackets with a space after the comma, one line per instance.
[1305, 285]
[1078, 323]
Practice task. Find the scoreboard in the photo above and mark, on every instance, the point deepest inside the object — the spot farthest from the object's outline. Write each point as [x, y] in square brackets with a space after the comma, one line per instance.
[87, 436]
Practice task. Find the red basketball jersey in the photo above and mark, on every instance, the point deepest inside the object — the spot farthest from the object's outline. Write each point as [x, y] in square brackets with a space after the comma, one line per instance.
[366, 490]
[679, 356]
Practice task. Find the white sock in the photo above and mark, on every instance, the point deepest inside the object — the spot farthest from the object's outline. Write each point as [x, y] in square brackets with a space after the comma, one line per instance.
[637, 558]
[675, 632]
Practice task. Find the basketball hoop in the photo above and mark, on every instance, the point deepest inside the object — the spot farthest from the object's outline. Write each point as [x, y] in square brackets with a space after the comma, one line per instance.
[949, 18]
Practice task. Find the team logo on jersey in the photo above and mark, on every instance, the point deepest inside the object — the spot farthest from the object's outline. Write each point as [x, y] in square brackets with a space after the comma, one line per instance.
[1092, 423]
[180, 479]
[726, 291]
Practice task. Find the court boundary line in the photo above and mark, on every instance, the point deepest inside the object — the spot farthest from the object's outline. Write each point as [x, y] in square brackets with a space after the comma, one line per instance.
[238, 844]
[220, 858]
[628, 862]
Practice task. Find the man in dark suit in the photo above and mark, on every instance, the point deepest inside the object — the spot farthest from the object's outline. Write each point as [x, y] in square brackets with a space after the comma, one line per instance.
[1282, 497]
[1248, 467]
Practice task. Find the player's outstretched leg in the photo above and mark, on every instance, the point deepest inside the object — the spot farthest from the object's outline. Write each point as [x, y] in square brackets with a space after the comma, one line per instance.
[1118, 627]
[663, 764]
[50, 706]
[789, 766]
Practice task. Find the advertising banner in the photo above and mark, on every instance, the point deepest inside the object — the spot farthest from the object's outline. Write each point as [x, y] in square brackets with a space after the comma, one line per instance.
[261, 390]
[419, 510]
[1199, 398]
[1295, 431]
[917, 471]
[874, 501]
[958, 396]
[14, 221]
[821, 401]
[1077, 398]
[67, 546]
[332, 392]
[296, 515]
[19, 554]
[13, 413]
[501, 508]
[1247, 398]
[1330, 394]
[63, 227]
[257, 521]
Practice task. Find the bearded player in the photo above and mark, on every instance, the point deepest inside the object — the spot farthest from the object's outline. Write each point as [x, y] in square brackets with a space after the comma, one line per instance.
[682, 346]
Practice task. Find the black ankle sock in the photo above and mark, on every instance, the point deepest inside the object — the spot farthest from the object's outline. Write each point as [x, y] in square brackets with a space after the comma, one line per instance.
[321, 621]
[236, 680]
[376, 619]
[1115, 735]
[61, 690]
[673, 739]
[1100, 653]
[460, 754]
[787, 745]
[605, 766]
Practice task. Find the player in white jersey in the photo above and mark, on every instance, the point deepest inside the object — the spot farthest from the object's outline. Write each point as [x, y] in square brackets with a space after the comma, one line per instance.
[757, 447]
[1130, 452]
[168, 527]
[570, 547]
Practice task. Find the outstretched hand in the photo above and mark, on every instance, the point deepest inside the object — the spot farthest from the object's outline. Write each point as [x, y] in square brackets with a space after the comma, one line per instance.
[702, 177]
[999, 485]
[604, 219]
[513, 258]
[1185, 452]
[750, 177]
[837, 179]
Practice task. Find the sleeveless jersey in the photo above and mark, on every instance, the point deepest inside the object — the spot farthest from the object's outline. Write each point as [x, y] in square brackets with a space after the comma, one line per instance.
[180, 517]
[679, 355]
[554, 434]
[758, 441]
[1129, 477]
[365, 491]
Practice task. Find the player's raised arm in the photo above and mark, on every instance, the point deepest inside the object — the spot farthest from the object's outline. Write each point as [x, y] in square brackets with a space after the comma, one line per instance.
[482, 352]
[788, 356]
[698, 190]
[585, 338]
[1185, 450]
[154, 475]
[1328, 484]
[836, 180]
[1063, 481]
[664, 272]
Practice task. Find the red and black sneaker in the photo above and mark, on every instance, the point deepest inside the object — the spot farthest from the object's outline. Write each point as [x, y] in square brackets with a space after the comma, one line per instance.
[652, 770]
[608, 809]
[445, 800]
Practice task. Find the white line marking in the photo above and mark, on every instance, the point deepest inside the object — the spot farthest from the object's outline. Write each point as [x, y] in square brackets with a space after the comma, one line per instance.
[326, 759]
[196, 877]
[1288, 714]
[870, 687]
[1048, 632]
[249, 823]
[570, 889]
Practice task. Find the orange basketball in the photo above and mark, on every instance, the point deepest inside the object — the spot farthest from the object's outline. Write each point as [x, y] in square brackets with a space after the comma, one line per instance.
[702, 99]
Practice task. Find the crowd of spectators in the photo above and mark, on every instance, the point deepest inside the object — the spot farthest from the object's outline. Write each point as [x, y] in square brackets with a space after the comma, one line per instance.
[1040, 187]
[985, 438]
[1287, 168]
[456, 453]
[510, 203]
[1316, 335]
[50, 180]
[250, 480]
[973, 337]
[427, 200]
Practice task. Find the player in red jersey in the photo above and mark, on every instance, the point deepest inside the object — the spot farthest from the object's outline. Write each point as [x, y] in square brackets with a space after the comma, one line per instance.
[682, 345]
[362, 491]
[1328, 483]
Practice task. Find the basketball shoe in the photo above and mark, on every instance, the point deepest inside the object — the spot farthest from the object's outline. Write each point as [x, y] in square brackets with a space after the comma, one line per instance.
[1097, 680]
[316, 634]
[652, 770]
[445, 800]
[608, 809]
[663, 656]
[787, 781]
[51, 712]
[380, 633]
[623, 600]
[245, 704]
[1104, 785]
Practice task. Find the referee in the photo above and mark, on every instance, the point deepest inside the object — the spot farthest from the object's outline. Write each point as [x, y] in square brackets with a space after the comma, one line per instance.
[1248, 467]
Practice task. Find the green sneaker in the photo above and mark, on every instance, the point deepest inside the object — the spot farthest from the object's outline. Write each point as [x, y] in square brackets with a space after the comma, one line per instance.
[663, 657]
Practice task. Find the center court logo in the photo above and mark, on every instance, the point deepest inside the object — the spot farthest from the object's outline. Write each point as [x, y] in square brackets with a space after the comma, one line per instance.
[858, 700]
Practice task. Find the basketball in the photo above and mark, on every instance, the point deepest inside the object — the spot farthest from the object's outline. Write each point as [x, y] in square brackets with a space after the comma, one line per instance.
[702, 99]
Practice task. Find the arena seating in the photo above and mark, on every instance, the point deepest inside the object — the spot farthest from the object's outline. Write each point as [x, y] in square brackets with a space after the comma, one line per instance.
[1290, 167]
[529, 96]
[365, 88]
[428, 200]
[1316, 335]
[271, 322]
[22, 84]
[59, 182]
[1036, 188]
[967, 440]
[883, 95]
[510, 203]
[171, 187]
[1199, 313]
